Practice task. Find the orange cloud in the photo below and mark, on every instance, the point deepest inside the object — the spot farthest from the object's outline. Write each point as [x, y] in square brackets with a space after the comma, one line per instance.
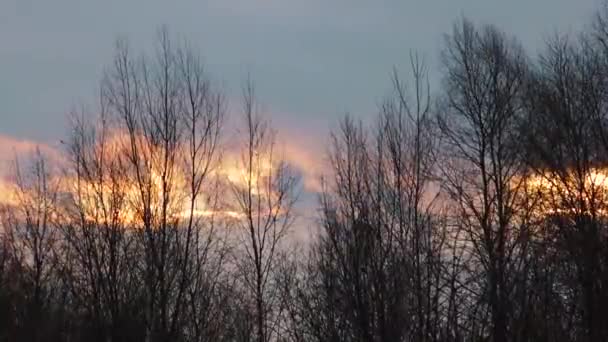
[296, 152]
[10, 149]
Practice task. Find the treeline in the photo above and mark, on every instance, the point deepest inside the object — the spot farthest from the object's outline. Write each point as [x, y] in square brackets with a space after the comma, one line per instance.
[478, 212]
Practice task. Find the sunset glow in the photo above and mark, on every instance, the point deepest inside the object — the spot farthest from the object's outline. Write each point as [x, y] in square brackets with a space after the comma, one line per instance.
[117, 196]
[569, 193]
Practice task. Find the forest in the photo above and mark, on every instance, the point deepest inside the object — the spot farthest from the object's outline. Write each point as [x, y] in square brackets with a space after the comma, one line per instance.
[475, 209]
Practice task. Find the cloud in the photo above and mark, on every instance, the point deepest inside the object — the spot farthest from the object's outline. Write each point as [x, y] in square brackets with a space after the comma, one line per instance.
[12, 148]
[266, 7]
[308, 162]
[302, 145]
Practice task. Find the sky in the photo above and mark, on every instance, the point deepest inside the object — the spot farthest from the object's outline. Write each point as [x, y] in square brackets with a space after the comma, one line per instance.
[312, 61]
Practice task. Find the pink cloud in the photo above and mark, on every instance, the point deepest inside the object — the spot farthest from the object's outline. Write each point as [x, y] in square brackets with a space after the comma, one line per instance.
[308, 162]
[12, 147]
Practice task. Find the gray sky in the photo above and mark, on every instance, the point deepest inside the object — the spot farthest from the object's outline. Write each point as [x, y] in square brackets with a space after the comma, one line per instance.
[312, 60]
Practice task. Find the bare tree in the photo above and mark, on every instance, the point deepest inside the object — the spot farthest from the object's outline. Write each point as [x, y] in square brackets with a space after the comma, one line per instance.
[376, 273]
[29, 240]
[484, 77]
[264, 199]
[479, 217]
[565, 133]
[171, 119]
[98, 250]
[406, 160]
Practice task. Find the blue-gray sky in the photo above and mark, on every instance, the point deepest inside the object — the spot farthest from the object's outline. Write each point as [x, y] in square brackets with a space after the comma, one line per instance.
[312, 60]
